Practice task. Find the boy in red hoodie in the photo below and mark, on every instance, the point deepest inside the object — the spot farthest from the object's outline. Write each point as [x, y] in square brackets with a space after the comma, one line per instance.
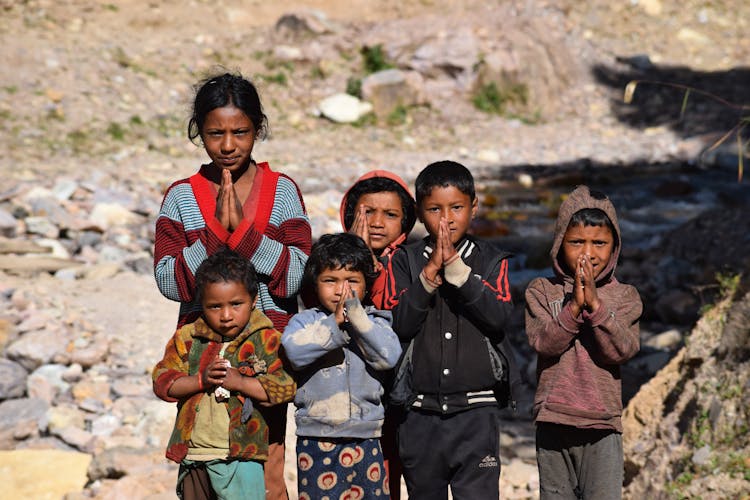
[583, 324]
[380, 209]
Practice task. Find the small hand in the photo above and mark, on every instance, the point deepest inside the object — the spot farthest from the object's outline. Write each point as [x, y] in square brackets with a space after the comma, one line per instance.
[233, 380]
[360, 226]
[228, 207]
[215, 372]
[345, 292]
[444, 241]
[591, 299]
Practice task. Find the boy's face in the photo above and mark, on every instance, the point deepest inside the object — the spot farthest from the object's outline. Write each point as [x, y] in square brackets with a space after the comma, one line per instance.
[451, 203]
[330, 286]
[384, 216]
[227, 306]
[596, 242]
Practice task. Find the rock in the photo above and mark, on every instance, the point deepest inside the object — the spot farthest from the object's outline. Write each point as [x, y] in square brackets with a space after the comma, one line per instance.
[93, 353]
[37, 348]
[54, 473]
[288, 53]
[107, 215]
[450, 53]
[668, 340]
[42, 226]
[94, 389]
[46, 382]
[8, 224]
[12, 379]
[343, 108]
[389, 89]
[64, 189]
[118, 462]
[64, 415]
[303, 24]
[20, 419]
[21, 264]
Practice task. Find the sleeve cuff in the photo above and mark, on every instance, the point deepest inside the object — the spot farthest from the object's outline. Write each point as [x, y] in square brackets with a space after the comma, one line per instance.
[599, 316]
[457, 272]
[429, 285]
[567, 321]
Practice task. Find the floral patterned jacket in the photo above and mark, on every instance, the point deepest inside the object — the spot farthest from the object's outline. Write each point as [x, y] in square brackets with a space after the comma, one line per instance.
[254, 352]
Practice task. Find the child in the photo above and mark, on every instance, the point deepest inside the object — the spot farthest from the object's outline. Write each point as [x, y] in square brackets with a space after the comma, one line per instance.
[245, 205]
[455, 305]
[380, 209]
[583, 325]
[339, 350]
[214, 368]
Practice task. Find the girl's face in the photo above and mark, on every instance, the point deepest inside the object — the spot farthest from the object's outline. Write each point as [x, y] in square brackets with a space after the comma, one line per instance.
[330, 286]
[227, 306]
[595, 242]
[384, 216]
[228, 136]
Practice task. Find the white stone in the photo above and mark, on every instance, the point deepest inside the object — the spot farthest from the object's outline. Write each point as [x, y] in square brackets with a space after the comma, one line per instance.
[343, 108]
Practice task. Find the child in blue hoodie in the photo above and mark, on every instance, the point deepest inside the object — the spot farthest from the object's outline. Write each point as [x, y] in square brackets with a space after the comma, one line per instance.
[340, 350]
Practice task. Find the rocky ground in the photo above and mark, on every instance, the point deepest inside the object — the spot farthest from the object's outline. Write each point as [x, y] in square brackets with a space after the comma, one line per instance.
[93, 107]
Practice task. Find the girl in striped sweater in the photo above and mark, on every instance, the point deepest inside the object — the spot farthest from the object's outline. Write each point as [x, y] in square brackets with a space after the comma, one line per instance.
[244, 205]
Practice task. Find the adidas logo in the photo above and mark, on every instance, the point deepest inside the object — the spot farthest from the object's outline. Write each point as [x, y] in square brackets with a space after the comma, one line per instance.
[488, 461]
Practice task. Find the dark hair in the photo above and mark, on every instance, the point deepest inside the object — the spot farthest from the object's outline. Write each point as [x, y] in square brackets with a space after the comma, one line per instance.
[224, 90]
[226, 266]
[443, 174]
[593, 217]
[380, 185]
[335, 251]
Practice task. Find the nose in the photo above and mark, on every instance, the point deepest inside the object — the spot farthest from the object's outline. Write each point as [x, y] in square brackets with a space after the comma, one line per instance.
[587, 249]
[226, 314]
[227, 143]
[375, 219]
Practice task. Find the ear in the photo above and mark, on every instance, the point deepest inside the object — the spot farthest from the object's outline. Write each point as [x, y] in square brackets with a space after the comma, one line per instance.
[474, 207]
[254, 301]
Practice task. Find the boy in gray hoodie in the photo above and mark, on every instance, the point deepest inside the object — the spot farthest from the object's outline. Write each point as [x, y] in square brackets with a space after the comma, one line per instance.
[583, 324]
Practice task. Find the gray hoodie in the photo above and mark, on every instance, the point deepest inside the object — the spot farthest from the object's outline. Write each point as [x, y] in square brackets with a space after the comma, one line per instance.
[579, 358]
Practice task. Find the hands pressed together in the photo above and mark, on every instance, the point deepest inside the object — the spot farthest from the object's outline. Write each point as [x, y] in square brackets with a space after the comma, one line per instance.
[345, 293]
[228, 205]
[362, 229]
[584, 288]
[443, 253]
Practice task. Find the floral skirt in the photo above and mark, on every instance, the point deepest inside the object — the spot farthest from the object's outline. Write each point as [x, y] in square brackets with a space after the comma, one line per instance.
[340, 469]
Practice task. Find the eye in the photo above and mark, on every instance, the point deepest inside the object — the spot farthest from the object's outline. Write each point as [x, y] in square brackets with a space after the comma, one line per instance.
[392, 215]
[242, 131]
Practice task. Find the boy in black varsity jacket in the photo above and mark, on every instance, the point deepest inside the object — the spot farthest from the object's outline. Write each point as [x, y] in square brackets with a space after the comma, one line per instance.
[454, 304]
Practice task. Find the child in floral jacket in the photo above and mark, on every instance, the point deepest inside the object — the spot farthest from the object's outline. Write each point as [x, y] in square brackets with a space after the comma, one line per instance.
[217, 369]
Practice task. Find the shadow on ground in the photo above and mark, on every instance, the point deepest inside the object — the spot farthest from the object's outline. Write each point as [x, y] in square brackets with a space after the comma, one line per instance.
[719, 103]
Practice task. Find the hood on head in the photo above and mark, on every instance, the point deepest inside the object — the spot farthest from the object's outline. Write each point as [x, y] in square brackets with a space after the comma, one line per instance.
[579, 199]
[370, 175]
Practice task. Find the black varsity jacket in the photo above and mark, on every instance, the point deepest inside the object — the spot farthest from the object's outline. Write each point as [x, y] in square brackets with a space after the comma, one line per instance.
[459, 332]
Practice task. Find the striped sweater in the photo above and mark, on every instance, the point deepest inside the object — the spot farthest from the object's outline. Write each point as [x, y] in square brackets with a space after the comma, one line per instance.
[274, 234]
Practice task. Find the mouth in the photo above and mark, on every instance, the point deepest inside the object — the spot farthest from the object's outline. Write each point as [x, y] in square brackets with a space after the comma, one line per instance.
[227, 162]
